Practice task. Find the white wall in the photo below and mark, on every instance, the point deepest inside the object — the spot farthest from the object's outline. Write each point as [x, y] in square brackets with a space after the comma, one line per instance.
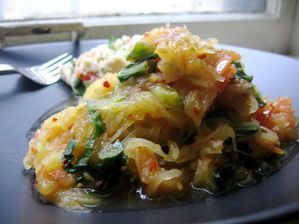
[294, 49]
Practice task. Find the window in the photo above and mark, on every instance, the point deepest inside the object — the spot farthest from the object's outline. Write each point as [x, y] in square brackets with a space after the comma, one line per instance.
[12, 10]
[261, 24]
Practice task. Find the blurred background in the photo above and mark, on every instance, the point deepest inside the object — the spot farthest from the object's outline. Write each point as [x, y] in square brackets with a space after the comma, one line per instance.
[271, 25]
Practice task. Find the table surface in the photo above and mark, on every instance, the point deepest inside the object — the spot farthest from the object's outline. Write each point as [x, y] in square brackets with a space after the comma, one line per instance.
[23, 102]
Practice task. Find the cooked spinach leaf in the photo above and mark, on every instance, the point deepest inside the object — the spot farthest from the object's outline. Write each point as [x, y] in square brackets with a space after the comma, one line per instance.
[79, 88]
[241, 74]
[242, 129]
[96, 119]
[103, 174]
[140, 51]
[89, 147]
[68, 155]
[245, 129]
[256, 93]
[146, 66]
[168, 96]
[111, 150]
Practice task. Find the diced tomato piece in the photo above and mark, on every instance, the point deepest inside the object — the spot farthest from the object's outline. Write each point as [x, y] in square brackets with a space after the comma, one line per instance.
[263, 116]
[88, 76]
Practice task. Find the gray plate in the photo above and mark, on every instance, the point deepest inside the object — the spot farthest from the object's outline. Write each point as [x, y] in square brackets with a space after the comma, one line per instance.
[23, 102]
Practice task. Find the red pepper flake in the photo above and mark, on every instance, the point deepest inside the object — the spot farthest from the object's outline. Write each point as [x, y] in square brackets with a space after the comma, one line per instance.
[202, 56]
[153, 166]
[54, 119]
[106, 84]
[196, 109]
[157, 59]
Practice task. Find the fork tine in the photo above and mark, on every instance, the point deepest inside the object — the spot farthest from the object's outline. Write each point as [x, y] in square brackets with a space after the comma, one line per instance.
[51, 62]
[54, 72]
[57, 64]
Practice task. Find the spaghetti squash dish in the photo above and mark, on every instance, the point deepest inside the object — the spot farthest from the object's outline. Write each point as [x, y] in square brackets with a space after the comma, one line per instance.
[161, 113]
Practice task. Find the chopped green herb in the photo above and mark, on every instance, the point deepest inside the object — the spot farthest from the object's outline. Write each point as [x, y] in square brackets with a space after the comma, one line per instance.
[140, 51]
[245, 129]
[68, 155]
[144, 67]
[168, 96]
[111, 150]
[256, 93]
[100, 126]
[240, 74]
[79, 88]
[134, 70]
[104, 174]
[89, 147]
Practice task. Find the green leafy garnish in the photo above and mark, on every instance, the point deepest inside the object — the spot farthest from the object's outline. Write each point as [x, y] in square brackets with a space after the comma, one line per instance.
[140, 68]
[168, 96]
[68, 154]
[102, 174]
[100, 126]
[245, 129]
[110, 151]
[134, 70]
[79, 88]
[88, 150]
[140, 51]
[89, 147]
[241, 74]
[256, 93]
[242, 129]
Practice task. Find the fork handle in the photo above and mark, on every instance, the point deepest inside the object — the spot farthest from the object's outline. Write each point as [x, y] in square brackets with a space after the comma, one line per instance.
[7, 69]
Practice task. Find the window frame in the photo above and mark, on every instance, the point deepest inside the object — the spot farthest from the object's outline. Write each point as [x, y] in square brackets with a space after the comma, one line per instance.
[277, 19]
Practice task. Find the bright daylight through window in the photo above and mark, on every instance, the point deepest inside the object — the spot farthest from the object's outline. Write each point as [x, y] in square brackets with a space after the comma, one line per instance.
[11, 10]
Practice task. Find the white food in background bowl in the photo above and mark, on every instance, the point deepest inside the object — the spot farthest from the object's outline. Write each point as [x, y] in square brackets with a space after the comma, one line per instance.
[103, 59]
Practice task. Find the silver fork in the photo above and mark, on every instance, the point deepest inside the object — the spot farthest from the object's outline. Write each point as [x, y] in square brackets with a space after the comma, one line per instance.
[44, 74]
